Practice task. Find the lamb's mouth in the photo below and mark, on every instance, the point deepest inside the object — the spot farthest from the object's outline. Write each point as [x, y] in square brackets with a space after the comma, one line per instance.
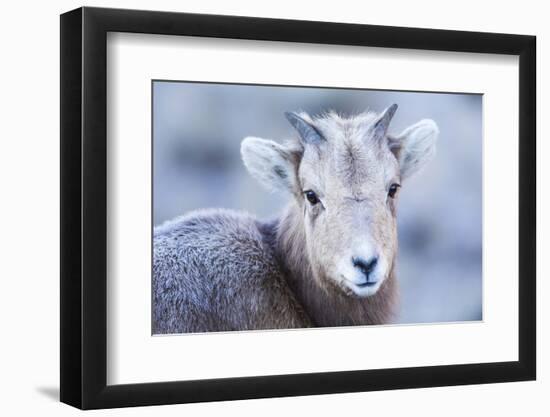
[367, 284]
[363, 289]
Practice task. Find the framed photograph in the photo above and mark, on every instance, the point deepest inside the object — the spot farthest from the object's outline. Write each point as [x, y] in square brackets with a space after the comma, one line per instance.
[257, 208]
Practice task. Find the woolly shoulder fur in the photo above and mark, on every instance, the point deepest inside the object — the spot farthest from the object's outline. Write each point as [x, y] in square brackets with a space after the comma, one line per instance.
[215, 270]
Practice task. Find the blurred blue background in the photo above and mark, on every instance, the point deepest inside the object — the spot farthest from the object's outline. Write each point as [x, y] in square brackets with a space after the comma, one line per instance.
[198, 128]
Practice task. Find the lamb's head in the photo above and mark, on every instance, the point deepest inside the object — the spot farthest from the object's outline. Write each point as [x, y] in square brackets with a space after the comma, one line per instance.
[345, 175]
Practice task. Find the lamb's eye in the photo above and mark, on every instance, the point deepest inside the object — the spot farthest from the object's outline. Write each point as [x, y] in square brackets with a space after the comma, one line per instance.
[393, 189]
[311, 197]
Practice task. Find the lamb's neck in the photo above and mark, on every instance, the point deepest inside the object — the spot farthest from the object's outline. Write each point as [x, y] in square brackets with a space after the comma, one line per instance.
[326, 306]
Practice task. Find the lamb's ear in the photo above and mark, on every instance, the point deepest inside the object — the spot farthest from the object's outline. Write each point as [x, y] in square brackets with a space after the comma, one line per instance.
[415, 146]
[271, 164]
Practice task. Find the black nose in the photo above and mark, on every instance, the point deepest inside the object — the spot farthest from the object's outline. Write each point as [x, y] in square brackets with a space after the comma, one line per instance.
[365, 266]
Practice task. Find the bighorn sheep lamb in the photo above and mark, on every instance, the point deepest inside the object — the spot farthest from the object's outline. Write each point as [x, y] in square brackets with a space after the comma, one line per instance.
[328, 260]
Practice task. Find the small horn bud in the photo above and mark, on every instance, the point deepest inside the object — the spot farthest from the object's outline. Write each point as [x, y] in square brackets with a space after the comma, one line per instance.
[307, 132]
[382, 124]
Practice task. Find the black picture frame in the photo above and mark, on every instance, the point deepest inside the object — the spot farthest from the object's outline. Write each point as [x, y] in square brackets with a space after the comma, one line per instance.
[84, 207]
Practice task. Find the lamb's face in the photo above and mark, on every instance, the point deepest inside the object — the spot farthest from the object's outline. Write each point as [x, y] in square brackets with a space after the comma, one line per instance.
[345, 177]
[350, 184]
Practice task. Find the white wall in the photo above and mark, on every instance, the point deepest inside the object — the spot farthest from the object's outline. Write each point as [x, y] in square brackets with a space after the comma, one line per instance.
[29, 170]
